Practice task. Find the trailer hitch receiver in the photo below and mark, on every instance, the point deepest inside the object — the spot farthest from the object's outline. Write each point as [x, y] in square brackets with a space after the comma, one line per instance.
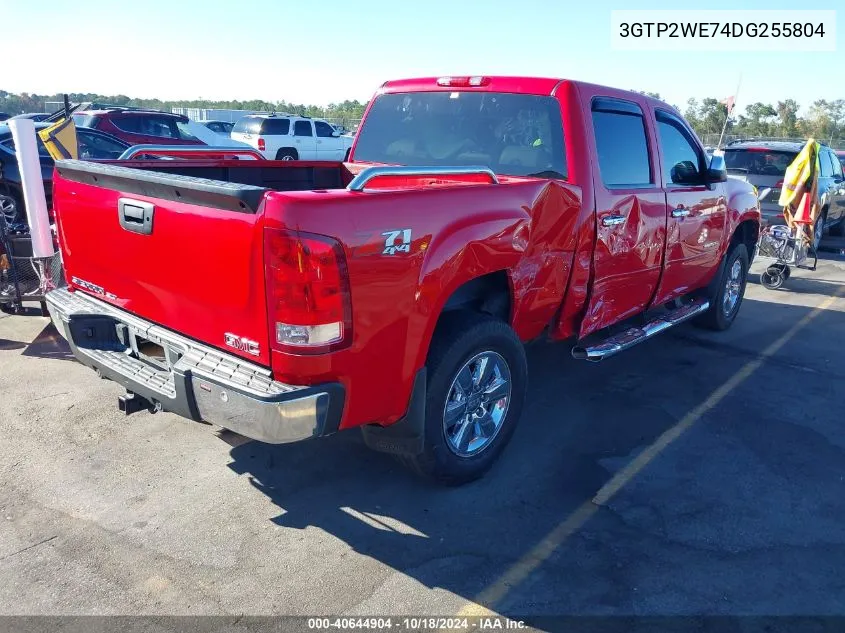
[132, 403]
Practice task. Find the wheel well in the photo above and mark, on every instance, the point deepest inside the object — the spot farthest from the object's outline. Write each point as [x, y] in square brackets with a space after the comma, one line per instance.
[747, 233]
[287, 149]
[488, 294]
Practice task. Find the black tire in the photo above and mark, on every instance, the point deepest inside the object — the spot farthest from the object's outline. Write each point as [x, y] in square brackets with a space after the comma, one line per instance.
[839, 229]
[287, 153]
[461, 336]
[716, 318]
[774, 277]
[818, 233]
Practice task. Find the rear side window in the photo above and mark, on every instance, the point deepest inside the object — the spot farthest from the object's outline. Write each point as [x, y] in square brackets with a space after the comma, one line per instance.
[619, 127]
[323, 129]
[147, 125]
[84, 120]
[302, 128]
[826, 166]
[837, 165]
[247, 125]
[758, 161]
[275, 127]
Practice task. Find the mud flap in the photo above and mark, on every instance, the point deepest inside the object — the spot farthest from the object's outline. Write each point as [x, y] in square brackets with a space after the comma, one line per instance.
[407, 435]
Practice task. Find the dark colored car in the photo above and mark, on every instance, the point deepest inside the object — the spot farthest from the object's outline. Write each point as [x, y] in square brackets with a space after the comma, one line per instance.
[764, 164]
[92, 144]
[138, 127]
[4, 116]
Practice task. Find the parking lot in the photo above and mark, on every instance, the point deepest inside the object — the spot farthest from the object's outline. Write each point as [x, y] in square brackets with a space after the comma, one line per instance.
[696, 473]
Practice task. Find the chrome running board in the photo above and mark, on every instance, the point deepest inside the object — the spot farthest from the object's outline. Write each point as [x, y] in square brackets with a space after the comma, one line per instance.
[632, 336]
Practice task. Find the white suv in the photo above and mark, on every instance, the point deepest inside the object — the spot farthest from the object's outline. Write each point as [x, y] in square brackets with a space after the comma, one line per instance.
[291, 137]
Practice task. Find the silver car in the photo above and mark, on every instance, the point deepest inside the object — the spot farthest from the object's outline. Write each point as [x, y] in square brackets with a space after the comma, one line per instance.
[764, 164]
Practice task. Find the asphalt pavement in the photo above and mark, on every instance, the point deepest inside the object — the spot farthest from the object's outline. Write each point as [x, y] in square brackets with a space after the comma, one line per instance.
[698, 473]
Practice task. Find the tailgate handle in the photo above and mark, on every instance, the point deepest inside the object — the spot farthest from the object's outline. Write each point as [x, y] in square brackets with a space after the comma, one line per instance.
[135, 216]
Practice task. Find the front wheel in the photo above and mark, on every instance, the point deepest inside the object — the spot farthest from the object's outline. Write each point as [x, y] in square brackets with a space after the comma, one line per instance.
[727, 296]
[477, 378]
[818, 232]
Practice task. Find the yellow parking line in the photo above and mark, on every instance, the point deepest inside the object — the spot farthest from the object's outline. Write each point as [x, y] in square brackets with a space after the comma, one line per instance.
[520, 570]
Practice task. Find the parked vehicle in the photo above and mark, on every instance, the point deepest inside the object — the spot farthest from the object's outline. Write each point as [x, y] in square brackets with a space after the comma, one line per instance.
[218, 127]
[394, 293]
[35, 116]
[764, 163]
[841, 156]
[4, 116]
[137, 127]
[92, 144]
[204, 134]
[291, 137]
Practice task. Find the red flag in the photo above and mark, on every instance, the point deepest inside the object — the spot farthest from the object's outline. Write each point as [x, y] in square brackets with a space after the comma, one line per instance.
[728, 101]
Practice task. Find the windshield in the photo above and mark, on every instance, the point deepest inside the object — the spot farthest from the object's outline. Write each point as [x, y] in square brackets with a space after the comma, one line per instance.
[758, 162]
[512, 134]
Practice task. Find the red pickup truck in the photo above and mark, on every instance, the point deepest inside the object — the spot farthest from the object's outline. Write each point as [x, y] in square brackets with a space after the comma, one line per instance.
[393, 292]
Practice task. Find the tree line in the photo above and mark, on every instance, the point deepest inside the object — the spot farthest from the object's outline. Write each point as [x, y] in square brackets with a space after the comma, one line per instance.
[19, 103]
[824, 120]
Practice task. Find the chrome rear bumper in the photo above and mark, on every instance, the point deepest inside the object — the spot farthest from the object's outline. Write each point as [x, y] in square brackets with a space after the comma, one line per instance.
[190, 379]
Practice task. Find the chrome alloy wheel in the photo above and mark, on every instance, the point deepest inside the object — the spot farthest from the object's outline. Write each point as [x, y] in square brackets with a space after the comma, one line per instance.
[733, 287]
[477, 403]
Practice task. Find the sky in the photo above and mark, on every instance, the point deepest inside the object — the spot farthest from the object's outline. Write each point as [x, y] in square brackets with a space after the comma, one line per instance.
[328, 51]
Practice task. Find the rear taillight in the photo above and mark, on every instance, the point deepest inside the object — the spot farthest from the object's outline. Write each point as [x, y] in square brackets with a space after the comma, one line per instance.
[308, 299]
[261, 145]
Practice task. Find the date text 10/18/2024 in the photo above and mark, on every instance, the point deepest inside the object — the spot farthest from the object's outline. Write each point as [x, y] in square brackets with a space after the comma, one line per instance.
[479, 623]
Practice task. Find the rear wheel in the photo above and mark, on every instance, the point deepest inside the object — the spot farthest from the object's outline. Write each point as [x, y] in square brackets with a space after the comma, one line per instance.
[839, 229]
[287, 153]
[726, 297]
[477, 377]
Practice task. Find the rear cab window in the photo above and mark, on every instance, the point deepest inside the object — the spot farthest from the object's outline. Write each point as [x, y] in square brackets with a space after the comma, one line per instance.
[512, 134]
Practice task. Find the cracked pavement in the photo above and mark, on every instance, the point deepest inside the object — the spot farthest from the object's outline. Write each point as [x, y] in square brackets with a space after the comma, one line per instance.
[743, 514]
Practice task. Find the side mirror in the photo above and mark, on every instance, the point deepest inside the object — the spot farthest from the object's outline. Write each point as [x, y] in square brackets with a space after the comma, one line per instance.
[335, 133]
[716, 171]
[685, 173]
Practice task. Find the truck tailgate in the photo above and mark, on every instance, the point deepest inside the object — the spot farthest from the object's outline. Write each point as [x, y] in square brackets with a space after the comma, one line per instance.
[185, 253]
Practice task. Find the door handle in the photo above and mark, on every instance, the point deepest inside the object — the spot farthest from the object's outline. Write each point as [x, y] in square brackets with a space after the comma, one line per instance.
[135, 216]
[680, 212]
[612, 220]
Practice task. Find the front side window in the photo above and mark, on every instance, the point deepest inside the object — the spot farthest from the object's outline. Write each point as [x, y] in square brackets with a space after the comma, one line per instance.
[323, 129]
[512, 134]
[93, 146]
[681, 160]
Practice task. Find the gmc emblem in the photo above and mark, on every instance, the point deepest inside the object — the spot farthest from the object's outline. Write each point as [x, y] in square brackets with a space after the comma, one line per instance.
[241, 343]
